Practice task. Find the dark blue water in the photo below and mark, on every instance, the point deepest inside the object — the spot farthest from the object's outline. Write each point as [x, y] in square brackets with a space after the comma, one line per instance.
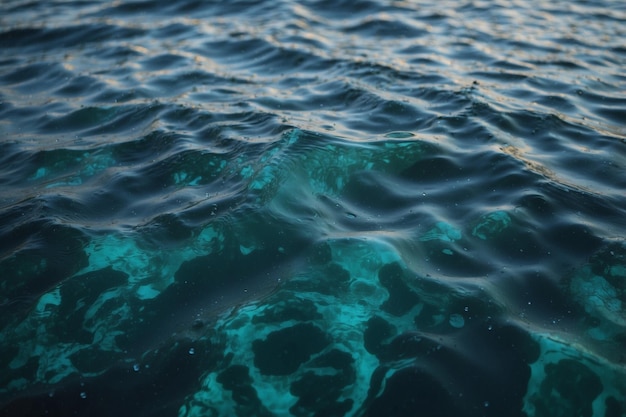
[313, 208]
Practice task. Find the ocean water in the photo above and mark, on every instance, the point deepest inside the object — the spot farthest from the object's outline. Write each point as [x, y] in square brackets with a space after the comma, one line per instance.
[313, 208]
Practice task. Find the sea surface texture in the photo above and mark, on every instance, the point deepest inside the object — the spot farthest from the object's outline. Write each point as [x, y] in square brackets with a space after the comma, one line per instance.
[316, 208]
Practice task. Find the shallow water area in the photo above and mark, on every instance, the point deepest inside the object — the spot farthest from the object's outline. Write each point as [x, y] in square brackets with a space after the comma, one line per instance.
[312, 208]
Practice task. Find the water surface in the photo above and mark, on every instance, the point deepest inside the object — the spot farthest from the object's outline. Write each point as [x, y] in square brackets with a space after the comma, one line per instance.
[312, 208]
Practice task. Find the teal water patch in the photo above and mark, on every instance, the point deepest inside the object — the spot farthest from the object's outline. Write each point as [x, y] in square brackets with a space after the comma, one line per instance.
[90, 312]
[145, 265]
[71, 168]
[322, 165]
[570, 380]
[491, 224]
[329, 168]
[457, 321]
[183, 178]
[442, 231]
[338, 334]
[264, 173]
[142, 274]
[578, 376]
[329, 307]
[368, 320]
[599, 287]
[487, 227]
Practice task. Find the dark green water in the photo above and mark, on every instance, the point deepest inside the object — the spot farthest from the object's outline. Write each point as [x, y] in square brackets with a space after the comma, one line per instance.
[313, 208]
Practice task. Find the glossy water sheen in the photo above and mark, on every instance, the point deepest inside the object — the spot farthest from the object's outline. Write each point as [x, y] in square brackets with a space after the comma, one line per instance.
[313, 208]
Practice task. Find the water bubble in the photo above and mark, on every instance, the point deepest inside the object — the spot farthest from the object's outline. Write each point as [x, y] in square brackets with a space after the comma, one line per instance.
[83, 395]
[136, 367]
[192, 351]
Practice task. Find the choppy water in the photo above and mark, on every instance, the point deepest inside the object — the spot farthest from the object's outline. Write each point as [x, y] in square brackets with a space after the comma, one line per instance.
[313, 208]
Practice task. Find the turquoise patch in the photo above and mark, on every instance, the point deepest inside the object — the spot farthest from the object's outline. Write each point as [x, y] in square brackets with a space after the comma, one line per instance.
[491, 224]
[442, 231]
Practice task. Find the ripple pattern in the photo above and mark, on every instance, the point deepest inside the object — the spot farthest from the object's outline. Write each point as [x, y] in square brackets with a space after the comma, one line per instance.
[312, 208]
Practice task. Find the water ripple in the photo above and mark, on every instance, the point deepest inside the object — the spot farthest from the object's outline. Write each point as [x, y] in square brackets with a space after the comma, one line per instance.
[410, 188]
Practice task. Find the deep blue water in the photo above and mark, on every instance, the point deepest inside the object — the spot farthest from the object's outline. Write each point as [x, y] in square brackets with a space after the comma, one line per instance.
[313, 208]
